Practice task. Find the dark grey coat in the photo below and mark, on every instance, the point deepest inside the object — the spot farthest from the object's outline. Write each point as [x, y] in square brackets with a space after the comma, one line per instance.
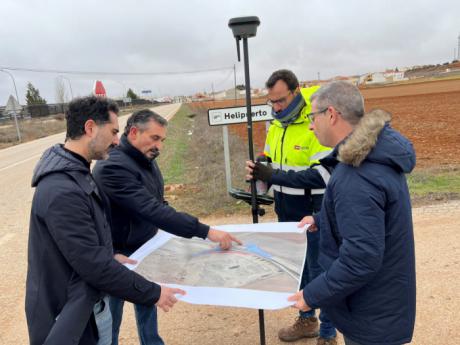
[70, 256]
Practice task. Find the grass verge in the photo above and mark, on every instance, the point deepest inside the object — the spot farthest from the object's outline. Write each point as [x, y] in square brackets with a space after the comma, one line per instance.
[192, 163]
[434, 185]
[173, 156]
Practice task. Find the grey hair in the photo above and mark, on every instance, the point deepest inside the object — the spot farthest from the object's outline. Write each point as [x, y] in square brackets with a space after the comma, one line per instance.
[140, 118]
[344, 97]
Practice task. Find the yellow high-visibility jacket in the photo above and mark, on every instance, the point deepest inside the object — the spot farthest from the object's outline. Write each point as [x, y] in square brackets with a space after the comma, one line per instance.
[294, 148]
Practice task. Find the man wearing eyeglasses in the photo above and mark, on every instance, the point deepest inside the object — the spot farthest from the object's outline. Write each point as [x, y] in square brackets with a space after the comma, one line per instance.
[292, 147]
[367, 239]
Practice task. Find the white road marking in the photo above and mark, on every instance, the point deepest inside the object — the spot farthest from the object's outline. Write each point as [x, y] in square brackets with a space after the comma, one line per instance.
[20, 162]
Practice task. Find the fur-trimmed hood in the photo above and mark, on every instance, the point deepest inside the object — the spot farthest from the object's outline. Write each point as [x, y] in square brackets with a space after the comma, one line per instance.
[374, 140]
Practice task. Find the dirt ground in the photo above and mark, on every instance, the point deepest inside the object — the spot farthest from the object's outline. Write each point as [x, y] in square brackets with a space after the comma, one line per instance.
[427, 113]
[438, 296]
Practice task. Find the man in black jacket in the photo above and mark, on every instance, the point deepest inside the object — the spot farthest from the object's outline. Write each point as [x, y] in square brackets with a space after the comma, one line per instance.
[132, 180]
[71, 266]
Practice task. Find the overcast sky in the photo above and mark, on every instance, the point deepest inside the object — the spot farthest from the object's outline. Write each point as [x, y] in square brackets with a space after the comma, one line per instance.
[330, 37]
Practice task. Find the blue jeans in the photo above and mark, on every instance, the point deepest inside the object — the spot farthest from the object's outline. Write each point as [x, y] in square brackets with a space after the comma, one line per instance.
[310, 271]
[146, 319]
[103, 319]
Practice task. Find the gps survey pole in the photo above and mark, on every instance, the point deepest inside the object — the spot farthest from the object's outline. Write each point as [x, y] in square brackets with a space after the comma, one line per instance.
[244, 28]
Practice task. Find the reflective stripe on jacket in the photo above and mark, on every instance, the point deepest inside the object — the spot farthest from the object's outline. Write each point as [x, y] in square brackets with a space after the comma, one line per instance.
[294, 148]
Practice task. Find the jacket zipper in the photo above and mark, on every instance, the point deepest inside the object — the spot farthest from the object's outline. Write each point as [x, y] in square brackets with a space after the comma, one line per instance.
[281, 160]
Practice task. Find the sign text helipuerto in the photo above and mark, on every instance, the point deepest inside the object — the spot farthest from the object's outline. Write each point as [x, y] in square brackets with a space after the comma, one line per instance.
[228, 116]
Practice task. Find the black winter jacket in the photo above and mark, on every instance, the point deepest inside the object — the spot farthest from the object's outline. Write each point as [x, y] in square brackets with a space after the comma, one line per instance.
[292, 208]
[135, 188]
[70, 256]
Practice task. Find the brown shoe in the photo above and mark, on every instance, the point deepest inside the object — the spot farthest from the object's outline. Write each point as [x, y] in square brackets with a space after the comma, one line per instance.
[302, 328]
[323, 341]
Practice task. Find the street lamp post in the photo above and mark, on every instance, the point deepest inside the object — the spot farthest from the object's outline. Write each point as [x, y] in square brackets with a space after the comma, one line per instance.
[17, 98]
[125, 90]
[70, 85]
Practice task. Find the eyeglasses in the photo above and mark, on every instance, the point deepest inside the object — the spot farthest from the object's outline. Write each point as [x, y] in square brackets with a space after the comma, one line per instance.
[282, 100]
[311, 116]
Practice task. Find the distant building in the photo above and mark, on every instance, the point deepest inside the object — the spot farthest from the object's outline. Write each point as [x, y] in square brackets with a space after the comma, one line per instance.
[377, 77]
[199, 97]
[239, 94]
[394, 75]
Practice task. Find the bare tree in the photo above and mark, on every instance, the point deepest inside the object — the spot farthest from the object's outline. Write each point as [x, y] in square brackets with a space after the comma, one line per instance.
[60, 90]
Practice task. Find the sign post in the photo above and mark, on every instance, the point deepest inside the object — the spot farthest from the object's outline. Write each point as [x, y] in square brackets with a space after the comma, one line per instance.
[15, 108]
[230, 116]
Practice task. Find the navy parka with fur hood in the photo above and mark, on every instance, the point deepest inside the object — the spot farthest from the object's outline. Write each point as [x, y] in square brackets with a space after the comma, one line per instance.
[367, 242]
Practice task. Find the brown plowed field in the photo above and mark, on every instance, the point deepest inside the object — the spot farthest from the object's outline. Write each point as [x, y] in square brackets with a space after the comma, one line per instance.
[428, 113]
[431, 122]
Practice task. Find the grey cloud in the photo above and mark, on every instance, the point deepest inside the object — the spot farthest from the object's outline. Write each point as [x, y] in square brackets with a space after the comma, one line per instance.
[331, 37]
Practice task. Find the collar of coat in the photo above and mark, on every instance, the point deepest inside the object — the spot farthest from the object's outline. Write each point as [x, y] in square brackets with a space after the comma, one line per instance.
[357, 146]
[300, 119]
[134, 153]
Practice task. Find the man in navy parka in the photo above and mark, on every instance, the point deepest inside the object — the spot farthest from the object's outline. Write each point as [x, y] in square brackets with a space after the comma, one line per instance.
[365, 224]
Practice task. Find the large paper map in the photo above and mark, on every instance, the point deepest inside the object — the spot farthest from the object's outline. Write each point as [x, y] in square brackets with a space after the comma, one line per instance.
[259, 274]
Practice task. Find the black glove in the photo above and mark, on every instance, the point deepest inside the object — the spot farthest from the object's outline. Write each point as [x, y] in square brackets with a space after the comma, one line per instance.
[262, 172]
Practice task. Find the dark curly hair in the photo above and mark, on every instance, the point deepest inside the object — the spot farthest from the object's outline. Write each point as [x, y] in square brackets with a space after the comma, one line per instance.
[84, 109]
[285, 75]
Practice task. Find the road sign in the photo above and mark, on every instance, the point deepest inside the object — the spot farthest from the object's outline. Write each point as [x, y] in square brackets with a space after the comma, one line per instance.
[12, 105]
[229, 116]
[99, 89]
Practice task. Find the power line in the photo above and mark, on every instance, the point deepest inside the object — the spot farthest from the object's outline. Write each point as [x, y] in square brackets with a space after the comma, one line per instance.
[39, 70]
[230, 74]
